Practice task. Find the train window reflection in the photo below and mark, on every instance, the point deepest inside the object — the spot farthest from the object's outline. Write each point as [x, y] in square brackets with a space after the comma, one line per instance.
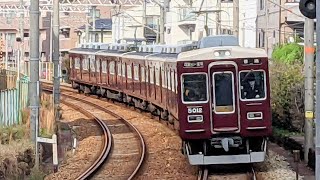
[223, 92]
[252, 85]
[194, 87]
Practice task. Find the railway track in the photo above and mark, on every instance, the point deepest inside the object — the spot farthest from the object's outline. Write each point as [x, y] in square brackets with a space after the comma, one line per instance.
[204, 174]
[123, 143]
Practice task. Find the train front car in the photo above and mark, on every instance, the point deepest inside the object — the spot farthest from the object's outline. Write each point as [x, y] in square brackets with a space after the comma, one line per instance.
[224, 105]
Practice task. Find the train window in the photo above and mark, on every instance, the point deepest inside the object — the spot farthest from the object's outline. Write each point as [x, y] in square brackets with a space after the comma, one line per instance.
[77, 63]
[143, 76]
[123, 70]
[151, 75]
[129, 71]
[104, 66]
[194, 88]
[223, 92]
[253, 85]
[169, 79]
[85, 64]
[163, 77]
[136, 72]
[172, 81]
[157, 76]
[119, 68]
[98, 65]
[92, 64]
[112, 67]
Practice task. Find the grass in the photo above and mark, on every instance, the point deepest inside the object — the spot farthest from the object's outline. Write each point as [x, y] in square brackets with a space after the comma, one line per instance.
[284, 132]
[37, 174]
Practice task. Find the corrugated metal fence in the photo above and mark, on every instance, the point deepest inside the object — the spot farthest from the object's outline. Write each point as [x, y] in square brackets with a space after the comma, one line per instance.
[12, 102]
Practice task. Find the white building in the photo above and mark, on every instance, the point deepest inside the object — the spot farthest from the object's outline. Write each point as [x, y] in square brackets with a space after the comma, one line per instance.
[247, 23]
[128, 23]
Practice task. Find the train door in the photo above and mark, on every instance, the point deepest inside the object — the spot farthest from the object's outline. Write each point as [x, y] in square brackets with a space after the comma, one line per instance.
[224, 95]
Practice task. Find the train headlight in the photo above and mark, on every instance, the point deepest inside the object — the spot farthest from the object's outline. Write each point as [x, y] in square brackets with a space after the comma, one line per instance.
[254, 115]
[217, 53]
[195, 118]
[256, 61]
[221, 53]
[245, 61]
[227, 53]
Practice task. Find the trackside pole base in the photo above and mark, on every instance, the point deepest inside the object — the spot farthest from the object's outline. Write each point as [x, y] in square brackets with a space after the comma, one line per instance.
[52, 141]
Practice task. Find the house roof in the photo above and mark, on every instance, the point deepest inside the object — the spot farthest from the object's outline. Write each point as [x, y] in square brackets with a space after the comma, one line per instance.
[105, 24]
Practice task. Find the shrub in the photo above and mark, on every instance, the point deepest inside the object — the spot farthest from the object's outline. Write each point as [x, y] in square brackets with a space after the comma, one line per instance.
[288, 53]
[287, 95]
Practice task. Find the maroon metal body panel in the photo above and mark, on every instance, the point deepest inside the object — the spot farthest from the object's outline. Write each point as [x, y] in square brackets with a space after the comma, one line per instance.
[248, 128]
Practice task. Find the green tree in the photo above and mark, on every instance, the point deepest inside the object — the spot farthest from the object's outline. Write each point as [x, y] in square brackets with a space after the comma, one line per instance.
[288, 53]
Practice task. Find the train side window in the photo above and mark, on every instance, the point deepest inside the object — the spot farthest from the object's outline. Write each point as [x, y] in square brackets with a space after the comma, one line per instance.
[136, 72]
[71, 62]
[119, 68]
[129, 71]
[98, 64]
[163, 77]
[85, 64]
[194, 88]
[112, 67]
[224, 101]
[172, 81]
[151, 75]
[143, 76]
[157, 76]
[77, 63]
[92, 68]
[104, 66]
[123, 70]
[253, 85]
[169, 79]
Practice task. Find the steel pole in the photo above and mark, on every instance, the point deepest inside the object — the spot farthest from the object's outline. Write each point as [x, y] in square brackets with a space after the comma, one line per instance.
[21, 27]
[34, 75]
[236, 18]
[317, 171]
[309, 94]
[56, 59]
[6, 36]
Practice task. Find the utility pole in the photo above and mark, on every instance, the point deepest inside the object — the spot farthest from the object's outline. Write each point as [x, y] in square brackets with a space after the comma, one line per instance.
[6, 37]
[162, 21]
[144, 17]
[34, 75]
[309, 94]
[94, 20]
[51, 34]
[21, 27]
[56, 60]
[317, 151]
[87, 26]
[236, 18]
[218, 30]
[266, 29]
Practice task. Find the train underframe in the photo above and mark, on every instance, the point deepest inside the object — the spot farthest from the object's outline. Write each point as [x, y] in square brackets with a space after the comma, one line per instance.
[227, 149]
[128, 100]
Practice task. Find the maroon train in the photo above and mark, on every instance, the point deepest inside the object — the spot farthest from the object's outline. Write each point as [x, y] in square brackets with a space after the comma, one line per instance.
[217, 94]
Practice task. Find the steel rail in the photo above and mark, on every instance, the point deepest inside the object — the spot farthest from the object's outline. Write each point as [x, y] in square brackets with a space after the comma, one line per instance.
[131, 126]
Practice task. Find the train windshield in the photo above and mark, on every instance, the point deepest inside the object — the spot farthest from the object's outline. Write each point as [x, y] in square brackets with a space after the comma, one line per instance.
[252, 85]
[223, 92]
[194, 88]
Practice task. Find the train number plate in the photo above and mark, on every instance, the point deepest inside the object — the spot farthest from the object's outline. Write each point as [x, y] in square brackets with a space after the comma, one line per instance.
[193, 110]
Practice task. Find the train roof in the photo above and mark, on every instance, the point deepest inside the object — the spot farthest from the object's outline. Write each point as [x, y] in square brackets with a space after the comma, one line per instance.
[217, 53]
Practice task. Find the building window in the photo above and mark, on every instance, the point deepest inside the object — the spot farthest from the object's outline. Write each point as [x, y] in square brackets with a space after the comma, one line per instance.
[25, 34]
[274, 34]
[152, 22]
[262, 4]
[261, 38]
[226, 1]
[96, 37]
[210, 31]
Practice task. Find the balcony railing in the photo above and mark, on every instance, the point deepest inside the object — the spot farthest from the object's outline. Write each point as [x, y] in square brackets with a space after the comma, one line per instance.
[187, 15]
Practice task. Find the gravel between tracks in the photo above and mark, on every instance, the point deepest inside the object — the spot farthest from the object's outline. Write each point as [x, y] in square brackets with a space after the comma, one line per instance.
[88, 136]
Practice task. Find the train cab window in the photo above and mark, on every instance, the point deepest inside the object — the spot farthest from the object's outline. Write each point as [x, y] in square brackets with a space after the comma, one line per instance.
[223, 92]
[194, 88]
[253, 85]
[104, 66]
